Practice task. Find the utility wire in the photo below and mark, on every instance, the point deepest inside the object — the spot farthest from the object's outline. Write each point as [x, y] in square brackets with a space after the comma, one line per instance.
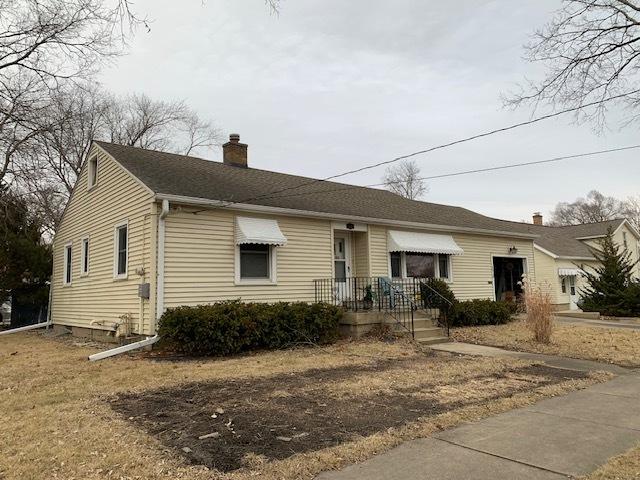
[464, 172]
[434, 148]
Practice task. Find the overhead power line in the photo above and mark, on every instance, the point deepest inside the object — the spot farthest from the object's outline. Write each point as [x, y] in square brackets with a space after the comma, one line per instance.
[434, 148]
[464, 172]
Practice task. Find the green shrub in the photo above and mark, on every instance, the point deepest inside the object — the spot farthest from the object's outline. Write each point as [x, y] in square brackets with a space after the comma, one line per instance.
[231, 327]
[481, 312]
[437, 294]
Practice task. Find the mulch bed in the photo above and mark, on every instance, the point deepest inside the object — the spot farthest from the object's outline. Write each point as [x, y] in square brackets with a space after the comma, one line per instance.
[217, 423]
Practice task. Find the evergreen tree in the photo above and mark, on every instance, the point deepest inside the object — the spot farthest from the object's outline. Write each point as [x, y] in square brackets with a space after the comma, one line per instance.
[25, 260]
[610, 288]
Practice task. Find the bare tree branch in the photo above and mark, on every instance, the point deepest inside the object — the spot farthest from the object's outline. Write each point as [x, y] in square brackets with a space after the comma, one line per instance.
[404, 179]
[591, 49]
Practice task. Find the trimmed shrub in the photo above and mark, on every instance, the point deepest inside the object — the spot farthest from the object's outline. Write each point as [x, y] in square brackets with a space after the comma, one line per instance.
[227, 328]
[434, 297]
[481, 312]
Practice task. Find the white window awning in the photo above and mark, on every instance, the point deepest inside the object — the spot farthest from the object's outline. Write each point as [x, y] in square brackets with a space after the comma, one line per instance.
[258, 230]
[422, 243]
[570, 272]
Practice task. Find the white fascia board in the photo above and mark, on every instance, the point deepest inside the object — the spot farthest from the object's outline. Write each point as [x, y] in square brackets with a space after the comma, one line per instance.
[335, 216]
[544, 250]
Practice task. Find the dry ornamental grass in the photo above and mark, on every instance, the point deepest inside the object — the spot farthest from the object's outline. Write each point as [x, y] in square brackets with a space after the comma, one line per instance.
[539, 311]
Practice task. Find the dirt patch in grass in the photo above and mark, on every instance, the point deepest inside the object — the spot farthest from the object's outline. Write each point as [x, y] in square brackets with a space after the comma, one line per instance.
[226, 424]
[58, 421]
[609, 345]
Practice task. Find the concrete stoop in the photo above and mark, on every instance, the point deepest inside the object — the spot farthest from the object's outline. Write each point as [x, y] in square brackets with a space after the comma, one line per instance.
[425, 326]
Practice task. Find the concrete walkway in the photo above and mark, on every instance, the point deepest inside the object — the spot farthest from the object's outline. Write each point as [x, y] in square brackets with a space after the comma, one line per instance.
[551, 360]
[554, 439]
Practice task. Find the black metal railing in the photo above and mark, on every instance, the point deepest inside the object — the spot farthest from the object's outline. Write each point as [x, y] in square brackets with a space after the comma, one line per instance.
[399, 297]
[435, 302]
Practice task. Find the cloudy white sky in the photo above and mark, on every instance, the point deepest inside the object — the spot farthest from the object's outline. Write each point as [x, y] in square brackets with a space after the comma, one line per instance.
[330, 85]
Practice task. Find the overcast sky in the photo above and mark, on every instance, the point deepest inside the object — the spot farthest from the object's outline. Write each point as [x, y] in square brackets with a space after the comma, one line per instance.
[332, 85]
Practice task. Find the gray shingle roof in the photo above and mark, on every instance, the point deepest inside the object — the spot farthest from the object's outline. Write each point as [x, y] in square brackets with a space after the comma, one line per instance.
[563, 242]
[171, 174]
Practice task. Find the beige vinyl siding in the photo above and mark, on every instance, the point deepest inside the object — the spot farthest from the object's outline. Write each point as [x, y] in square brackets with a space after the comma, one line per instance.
[378, 257]
[633, 246]
[361, 254]
[547, 277]
[200, 259]
[472, 272]
[97, 297]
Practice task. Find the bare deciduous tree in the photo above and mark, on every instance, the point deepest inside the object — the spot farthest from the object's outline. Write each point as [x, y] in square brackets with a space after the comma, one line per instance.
[44, 43]
[591, 49]
[596, 207]
[632, 212]
[77, 115]
[404, 179]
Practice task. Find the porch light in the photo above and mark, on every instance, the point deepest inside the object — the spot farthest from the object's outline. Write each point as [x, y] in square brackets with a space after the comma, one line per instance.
[513, 250]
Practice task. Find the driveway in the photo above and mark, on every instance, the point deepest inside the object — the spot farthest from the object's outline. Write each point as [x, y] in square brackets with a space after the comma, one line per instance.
[556, 438]
[629, 324]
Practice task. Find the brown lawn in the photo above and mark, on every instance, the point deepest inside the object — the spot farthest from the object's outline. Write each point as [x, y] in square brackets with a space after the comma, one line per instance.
[286, 414]
[621, 467]
[617, 346]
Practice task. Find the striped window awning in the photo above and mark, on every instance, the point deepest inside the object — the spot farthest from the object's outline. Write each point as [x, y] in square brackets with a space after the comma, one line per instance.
[418, 242]
[570, 272]
[259, 230]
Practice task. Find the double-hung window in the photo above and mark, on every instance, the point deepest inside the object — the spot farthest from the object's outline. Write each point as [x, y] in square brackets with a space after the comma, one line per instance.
[68, 264]
[257, 242]
[121, 250]
[255, 261]
[92, 172]
[84, 257]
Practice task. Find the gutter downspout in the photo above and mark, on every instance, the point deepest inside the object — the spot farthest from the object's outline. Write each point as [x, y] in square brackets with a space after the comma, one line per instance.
[159, 295]
[160, 274]
[125, 348]
[24, 329]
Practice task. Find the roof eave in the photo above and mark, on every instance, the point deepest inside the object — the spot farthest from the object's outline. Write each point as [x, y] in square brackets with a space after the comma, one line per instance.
[196, 201]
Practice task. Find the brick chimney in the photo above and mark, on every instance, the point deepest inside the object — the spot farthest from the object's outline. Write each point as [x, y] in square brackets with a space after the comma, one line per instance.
[537, 218]
[235, 153]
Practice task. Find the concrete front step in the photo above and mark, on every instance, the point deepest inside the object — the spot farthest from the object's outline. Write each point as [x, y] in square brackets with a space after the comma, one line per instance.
[433, 340]
[428, 332]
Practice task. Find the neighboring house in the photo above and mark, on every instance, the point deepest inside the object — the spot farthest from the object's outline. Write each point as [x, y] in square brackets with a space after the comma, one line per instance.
[147, 230]
[563, 253]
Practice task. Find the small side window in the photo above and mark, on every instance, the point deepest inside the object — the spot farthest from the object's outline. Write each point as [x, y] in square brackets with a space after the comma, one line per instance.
[121, 251]
[68, 264]
[92, 173]
[84, 257]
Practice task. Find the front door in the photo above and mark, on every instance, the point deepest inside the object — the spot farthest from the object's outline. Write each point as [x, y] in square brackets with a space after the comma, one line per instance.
[341, 264]
[573, 295]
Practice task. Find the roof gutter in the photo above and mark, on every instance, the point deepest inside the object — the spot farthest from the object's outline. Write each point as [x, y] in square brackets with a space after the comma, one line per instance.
[195, 201]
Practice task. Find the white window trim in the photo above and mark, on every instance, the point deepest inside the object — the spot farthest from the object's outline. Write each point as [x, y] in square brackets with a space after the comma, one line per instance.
[122, 276]
[273, 273]
[65, 266]
[84, 242]
[90, 185]
[403, 266]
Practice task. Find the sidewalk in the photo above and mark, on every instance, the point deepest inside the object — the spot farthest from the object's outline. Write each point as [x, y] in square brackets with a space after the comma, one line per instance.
[553, 439]
[551, 360]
